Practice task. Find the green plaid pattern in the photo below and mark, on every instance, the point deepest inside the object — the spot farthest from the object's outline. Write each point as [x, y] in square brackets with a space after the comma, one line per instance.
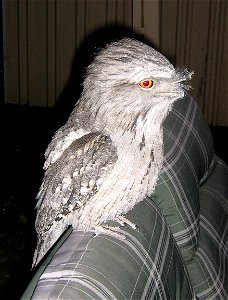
[180, 249]
[208, 268]
[188, 155]
[145, 265]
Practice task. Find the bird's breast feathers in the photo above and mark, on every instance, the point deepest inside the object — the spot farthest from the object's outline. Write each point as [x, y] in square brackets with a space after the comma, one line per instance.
[90, 181]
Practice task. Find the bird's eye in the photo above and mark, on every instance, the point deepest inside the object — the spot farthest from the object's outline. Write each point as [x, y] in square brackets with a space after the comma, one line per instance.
[146, 84]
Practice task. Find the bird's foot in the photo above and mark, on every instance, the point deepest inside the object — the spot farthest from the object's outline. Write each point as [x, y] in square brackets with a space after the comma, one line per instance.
[115, 230]
[110, 230]
[124, 221]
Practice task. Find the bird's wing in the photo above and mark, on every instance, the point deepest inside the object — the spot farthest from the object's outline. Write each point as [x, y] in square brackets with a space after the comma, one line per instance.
[62, 139]
[69, 183]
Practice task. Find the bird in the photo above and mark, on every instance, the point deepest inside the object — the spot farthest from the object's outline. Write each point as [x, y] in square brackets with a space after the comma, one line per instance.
[107, 156]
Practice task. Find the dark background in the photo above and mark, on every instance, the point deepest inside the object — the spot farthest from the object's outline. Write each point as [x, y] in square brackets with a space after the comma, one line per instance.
[1, 58]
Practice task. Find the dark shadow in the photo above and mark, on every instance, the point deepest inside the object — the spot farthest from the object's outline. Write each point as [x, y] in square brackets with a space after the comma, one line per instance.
[25, 132]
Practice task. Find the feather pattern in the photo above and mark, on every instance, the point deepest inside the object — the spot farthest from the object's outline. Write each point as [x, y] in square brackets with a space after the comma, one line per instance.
[108, 155]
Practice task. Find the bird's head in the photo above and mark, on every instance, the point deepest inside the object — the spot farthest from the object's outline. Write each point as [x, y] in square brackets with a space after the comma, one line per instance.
[129, 77]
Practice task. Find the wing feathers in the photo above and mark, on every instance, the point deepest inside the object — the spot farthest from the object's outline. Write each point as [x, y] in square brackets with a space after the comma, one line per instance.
[72, 180]
[69, 183]
[58, 146]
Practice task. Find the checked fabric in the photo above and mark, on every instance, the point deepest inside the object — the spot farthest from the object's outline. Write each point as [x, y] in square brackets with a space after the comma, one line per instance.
[180, 249]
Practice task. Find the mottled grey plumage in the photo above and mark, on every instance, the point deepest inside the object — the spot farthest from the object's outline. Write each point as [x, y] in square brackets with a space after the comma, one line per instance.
[107, 157]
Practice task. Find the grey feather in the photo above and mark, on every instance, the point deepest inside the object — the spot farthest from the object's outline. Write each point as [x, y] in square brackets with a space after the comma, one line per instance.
[108, 155]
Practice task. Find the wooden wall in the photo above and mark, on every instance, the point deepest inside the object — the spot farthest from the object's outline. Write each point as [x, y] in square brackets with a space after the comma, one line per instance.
[40, 40]
[42, 36]
[194, 34]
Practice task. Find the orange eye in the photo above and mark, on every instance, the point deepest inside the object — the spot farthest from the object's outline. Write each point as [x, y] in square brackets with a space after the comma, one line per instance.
[146, 84]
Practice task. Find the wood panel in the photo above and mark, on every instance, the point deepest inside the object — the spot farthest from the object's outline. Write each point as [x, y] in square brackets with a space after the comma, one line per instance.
[41, 39]
[128, 10]
[95, 15]
[151, 23]
[138, 17]
[80, 21]
[221, 116]
[216, 102]
[194, 34]
[120, 12]
[196, 57]
[10, 49]
[168, 15]
[65, 42]
[51, 53]
[111, 12]
[37, 53]
[23, 52]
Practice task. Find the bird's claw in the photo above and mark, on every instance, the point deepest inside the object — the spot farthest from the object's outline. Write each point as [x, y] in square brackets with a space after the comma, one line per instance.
[124, 221]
